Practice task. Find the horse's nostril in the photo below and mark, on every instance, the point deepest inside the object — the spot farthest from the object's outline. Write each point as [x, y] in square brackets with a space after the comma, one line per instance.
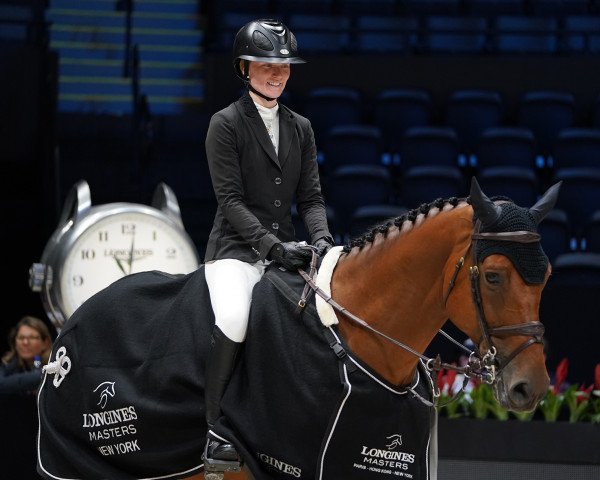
[520, 394]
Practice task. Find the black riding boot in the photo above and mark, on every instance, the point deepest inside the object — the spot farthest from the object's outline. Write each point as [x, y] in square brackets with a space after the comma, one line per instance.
[221, 360]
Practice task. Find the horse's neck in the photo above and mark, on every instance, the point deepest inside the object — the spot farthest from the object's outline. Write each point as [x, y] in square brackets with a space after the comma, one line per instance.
[396, 284]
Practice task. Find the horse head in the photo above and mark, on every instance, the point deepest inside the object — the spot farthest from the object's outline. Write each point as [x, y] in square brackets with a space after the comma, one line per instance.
[508, 271]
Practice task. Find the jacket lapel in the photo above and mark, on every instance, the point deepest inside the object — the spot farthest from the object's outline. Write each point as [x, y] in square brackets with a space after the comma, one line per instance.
[258, 127]
[286, 133]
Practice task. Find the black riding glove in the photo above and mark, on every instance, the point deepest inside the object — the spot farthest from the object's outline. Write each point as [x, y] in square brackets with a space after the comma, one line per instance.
[323, 245]
[291, 255]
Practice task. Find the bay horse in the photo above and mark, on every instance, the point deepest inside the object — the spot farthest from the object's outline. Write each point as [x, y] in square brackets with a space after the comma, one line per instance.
[332, 361]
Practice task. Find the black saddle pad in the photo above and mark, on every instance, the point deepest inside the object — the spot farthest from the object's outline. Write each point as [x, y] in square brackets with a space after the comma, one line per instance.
[131, 403]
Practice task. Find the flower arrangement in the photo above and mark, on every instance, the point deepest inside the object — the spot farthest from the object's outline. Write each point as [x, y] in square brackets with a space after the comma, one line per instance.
[573, 403]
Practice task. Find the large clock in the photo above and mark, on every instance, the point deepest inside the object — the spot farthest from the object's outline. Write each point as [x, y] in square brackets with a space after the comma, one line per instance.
[95, 245]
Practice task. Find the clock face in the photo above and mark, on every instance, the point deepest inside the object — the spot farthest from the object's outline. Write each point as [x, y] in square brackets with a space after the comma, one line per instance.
[118, 245]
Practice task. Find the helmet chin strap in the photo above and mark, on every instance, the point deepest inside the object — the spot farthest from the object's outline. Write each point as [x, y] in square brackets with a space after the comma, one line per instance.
[254, 90]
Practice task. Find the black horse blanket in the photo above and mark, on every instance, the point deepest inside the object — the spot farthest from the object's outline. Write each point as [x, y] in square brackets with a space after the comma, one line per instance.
[124, 398]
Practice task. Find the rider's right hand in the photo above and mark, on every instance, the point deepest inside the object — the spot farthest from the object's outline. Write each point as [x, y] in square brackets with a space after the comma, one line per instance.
[291, 255]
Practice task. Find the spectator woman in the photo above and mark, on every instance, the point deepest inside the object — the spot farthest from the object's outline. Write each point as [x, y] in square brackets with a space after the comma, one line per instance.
[20, 370]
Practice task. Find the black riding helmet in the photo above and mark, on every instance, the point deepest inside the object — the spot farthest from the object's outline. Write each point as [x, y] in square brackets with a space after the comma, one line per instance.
[264, 40]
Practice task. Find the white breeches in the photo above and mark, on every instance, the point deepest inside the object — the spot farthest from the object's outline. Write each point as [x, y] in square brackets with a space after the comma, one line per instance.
[230, 283]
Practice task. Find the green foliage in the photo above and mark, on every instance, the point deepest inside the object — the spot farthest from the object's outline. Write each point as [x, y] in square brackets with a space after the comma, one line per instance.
[574, 403]
[550, 405]
[452, 405]
[594, 407]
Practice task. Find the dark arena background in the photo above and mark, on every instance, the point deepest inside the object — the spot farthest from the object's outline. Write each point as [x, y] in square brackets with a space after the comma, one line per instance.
[408, 100]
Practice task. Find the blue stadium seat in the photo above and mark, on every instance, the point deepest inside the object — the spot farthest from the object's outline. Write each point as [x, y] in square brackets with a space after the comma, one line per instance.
[327, 107]
[516, 183]
[366, 7]
[493, 8]
[546, 113]
[431, 7]
[352, 145]
[569, 309]
[470, 112]
[287, 7]
[229, 24]
[424, 183]
[429, 146]
[506, 146]
[256, 7]
[455, 34]
[582, 33]
[371, 215]
[397, 110]
[523, 34]
[560, 8]
[556, 234]
[577, 147]
[321, 33]
[376, 33]
[22, 23]
[354, 186]
[579, 195]
[591, 233]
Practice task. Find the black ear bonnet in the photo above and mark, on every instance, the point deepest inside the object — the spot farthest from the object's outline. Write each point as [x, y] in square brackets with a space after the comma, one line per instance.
[528, 258]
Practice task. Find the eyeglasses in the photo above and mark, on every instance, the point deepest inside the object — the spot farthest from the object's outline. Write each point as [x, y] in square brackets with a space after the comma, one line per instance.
[30, 338]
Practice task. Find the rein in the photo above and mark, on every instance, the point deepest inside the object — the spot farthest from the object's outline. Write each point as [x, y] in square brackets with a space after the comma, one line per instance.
[486, 368]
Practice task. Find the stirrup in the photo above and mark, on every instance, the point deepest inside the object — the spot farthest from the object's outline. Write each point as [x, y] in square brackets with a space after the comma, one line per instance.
[215, 468]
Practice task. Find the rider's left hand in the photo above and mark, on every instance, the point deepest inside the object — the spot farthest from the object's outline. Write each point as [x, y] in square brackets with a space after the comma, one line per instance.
[323, 245]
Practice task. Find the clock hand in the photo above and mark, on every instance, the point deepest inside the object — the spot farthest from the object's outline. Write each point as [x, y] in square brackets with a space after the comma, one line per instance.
[130, 261]
[118, 260]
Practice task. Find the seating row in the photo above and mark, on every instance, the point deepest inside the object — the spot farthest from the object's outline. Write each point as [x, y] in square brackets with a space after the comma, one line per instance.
[423, 7]
[351, 187]
[469, 112]
[494, 147]
[321, 33]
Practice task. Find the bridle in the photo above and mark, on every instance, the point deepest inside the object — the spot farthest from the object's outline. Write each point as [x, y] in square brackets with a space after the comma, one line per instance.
[486, 368]
[488, 364]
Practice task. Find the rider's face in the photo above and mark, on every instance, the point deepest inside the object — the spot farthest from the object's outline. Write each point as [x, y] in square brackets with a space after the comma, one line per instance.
[269, 78]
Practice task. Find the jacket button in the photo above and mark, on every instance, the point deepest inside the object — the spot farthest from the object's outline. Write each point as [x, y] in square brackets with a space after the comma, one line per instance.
[277, 181]
[275, 226]
[277, 203]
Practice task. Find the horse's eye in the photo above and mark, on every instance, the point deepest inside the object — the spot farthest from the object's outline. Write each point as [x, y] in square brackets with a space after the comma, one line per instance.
[493, 278]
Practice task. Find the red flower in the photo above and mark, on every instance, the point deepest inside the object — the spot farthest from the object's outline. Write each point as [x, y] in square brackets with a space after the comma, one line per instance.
[440, 379]
[450, 378]
[585, 393]
[445, 380]
[597, 377]
[561, 375]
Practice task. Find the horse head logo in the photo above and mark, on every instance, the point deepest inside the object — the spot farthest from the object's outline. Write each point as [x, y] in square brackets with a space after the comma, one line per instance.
[106, 389]
[395, 441]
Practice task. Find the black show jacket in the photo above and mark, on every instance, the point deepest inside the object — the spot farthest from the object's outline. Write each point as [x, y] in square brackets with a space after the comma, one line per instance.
[255, 187]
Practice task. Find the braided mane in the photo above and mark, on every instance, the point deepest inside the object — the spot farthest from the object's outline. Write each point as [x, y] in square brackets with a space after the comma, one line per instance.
[410, 216]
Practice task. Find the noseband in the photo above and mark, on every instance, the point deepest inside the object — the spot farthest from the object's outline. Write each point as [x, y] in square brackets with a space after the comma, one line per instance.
[488, 365]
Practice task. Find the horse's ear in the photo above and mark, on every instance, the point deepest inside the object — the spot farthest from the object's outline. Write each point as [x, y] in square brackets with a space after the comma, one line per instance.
[546, 203]
[485, 210]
